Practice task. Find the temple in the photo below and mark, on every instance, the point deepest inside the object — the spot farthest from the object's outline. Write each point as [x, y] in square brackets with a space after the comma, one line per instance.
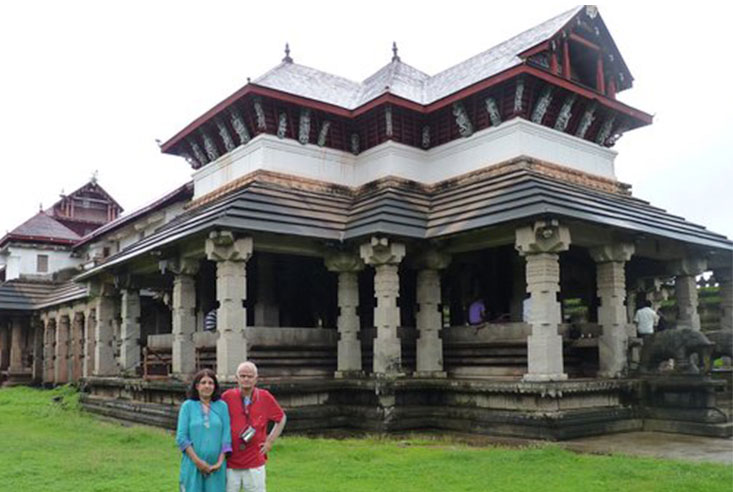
[347, 233]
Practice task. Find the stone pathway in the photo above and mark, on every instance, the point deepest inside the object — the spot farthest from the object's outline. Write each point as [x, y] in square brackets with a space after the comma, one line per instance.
[657, 445]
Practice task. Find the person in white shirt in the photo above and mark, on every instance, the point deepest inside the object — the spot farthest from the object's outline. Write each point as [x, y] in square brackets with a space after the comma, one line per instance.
[646, 319]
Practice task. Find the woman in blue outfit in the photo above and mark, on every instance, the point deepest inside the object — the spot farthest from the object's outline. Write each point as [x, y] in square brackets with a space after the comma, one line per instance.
[204, 436]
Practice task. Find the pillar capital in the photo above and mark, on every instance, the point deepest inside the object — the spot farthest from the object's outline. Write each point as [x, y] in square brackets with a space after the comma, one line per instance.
[688, 266]
[431, 259]
[343, 261]
[619, 252]
[180, 266]
[101, 289]
[223, 246]
[381, 251]
[544, 236]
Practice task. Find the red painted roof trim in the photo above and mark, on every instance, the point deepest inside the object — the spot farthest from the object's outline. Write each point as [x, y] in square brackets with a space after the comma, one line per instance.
[45, 239]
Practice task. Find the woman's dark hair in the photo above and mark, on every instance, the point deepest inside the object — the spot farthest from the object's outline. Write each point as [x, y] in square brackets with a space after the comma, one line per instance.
[193, 393]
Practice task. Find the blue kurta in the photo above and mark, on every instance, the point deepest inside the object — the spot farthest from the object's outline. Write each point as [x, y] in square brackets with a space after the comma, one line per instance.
[208, 442]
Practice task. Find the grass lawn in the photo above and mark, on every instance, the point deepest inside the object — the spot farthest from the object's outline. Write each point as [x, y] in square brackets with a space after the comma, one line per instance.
[51, 445]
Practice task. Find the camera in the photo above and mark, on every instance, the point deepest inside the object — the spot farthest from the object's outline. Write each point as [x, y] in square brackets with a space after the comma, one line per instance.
[247, 434]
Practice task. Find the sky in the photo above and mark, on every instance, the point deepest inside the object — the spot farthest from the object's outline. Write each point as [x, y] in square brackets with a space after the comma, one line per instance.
[88, 86]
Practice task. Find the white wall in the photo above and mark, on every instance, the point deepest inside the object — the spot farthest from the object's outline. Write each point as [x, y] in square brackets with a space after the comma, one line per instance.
[514, 138]
[22, 261]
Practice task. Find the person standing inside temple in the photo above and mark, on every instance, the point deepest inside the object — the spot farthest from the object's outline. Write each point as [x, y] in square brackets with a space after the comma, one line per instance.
[646, 318]
[203, 435]
[251, 409]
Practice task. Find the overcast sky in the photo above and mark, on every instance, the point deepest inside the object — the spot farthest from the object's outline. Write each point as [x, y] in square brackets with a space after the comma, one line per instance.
[88, 86]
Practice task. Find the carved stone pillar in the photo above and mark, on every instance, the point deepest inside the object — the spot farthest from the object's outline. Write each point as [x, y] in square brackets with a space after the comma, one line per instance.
[38, 353]
[611, 284]
[725, 281]
[385, 257]
[540, 244]
[77, 346]
[685, 288]
[104, 359]
[267, 312]
[183, 314]
[429, 319]
[231, 256]
[16, 346]
[4, 345]
[631, 299]
[347, 265]
[49, 351]
[89, 342]
[130, 331]
[61, 364]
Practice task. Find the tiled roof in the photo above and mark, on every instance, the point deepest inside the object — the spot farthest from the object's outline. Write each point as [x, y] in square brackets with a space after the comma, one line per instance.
[18, 295]
[402, 80]
[41, 227]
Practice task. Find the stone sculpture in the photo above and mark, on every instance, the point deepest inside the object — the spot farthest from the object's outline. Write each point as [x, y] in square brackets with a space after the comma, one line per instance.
[677, 344]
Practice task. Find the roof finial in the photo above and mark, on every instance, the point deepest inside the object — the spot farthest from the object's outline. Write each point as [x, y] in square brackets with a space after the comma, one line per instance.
[395, 57]
[95, 176]
[287, 58]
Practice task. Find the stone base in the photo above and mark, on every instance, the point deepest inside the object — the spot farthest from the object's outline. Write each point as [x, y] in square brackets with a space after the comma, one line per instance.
[430, 374]
[543, 378]
[18, 377]
[348, 374]
[724, 430]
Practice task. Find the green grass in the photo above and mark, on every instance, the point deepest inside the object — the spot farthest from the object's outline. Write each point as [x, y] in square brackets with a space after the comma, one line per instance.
[51, 445]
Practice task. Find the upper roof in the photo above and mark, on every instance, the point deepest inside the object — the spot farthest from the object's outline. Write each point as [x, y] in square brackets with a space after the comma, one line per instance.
[41, 228]
[402, 80]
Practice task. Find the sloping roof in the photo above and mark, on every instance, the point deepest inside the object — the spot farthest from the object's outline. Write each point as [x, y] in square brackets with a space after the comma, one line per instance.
[402, 80]
[406, 209]
[18, 295]
[65, 292]
[90, 186]
[181, 193]
[42, 228]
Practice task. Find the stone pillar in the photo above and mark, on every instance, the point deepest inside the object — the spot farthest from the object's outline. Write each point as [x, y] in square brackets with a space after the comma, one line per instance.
[541, 244]
[104, 359]
[130, 331]
[231, 256]
[16, 346]
[61, 364]
[724, 277]
[631, 298]
[385, 257]
[89, 346]
[38, 350]
[685, 288]
[267, 312]
[77, 346]
[183, 314]
[347, 265]
[429, 319]
[4, 345]
[611, 284]
[49, 351]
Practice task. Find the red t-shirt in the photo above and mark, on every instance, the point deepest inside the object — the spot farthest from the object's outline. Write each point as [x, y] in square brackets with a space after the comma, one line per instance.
[262, 410]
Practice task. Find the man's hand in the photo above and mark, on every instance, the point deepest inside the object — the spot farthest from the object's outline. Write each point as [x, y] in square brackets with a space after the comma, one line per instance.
[266, 446]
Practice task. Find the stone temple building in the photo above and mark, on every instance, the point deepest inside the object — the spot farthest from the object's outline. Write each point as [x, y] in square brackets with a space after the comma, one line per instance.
[341, 232]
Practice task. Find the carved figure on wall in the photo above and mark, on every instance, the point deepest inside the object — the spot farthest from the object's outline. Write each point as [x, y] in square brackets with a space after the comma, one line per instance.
[229, 144]
[425, 137]
[323, 134]
[493, 109]
[677, 344]
[542, 104]
[388, 120]
[565, 113]
[240, 127]
[586, 121]
[605, 131]
[518, 95]
[304, 128]
[465, 127]
[198, 153]
[282, 125]
[261, 121]
[211, 151]
[354, 143]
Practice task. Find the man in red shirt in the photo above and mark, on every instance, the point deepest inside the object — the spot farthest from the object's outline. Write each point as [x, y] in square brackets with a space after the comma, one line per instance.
[251, 409]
